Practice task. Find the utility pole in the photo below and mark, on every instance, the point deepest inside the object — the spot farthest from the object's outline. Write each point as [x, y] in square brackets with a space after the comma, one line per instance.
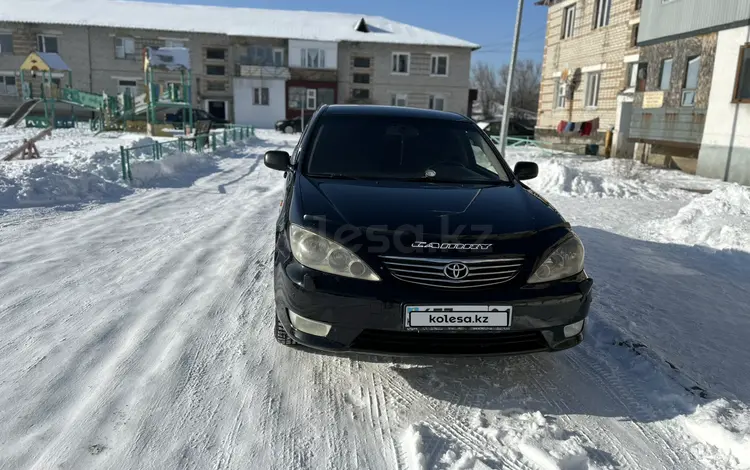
[509, 85]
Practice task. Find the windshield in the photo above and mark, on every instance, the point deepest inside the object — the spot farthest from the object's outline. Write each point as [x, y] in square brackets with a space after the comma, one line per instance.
[382, 147]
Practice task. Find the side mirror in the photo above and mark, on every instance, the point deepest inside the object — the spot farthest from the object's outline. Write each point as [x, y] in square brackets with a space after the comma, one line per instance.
[277, 160]
[526, 170]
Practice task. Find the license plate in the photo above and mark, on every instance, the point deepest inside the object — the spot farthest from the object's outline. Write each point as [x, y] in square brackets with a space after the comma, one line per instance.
[458, 316]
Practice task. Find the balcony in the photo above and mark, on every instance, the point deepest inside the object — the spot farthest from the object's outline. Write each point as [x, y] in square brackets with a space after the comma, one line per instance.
[262, 71]
[682, 125]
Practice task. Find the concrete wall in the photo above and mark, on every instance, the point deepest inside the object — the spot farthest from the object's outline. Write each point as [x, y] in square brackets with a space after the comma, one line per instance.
[664, 20]
[418, 84]
[725, 149]
[606, 49]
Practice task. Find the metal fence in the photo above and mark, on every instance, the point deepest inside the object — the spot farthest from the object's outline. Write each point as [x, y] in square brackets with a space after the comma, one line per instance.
[198, 143]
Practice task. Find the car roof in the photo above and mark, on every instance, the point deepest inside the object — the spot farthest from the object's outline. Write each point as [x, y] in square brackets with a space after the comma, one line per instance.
[394, 111]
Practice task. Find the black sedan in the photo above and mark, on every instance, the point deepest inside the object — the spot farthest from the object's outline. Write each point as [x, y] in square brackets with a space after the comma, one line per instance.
[404, 232]
[290, 126]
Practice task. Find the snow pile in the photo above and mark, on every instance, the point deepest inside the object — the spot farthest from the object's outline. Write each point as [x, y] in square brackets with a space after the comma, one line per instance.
[81, 178]
[544, 443]
[725, 427]
[588, 177]
[412, 444]
[720, 220]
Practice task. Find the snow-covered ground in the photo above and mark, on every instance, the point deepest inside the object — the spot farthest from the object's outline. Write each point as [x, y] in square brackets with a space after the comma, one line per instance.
[135, 331]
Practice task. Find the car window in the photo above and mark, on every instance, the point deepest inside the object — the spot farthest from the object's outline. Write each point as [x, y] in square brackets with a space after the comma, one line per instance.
[382, 147]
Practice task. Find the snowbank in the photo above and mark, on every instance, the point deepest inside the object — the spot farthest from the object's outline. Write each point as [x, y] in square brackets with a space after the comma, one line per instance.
[82, 178]
[724, 426]
[587, 177]
[719, 220]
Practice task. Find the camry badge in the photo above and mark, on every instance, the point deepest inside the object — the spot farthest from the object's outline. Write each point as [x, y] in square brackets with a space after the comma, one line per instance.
[453, 246]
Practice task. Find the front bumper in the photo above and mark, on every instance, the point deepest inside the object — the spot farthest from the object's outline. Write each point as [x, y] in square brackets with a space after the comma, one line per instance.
[369, 316]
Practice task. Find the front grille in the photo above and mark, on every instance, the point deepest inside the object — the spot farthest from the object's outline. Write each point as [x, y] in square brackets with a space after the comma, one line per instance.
[432, 271]
[427, 342]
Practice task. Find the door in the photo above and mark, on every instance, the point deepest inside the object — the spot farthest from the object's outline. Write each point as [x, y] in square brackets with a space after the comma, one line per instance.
[623, 148]
[217, 109]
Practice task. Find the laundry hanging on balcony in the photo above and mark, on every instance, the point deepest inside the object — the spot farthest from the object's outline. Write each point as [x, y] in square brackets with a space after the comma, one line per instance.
[581, 128]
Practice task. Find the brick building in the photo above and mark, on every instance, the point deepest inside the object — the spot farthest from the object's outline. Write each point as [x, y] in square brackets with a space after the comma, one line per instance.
[589, 71]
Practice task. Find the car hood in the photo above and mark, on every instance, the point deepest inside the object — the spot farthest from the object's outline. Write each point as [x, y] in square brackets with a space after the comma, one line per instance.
[434, 208]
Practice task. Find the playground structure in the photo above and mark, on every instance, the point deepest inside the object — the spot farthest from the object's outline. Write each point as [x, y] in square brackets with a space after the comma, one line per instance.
[175, 96]
[41, 76]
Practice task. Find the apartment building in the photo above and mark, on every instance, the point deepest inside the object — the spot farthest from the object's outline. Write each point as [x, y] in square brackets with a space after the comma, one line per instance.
[693, 111]
[251, 66]
[589, 72]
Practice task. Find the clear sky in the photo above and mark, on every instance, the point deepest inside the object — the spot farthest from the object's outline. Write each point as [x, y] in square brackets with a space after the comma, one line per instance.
[486, 22]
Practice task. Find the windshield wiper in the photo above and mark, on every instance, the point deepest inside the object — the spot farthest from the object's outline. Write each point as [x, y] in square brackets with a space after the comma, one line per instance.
[427, 179]
[335, 176]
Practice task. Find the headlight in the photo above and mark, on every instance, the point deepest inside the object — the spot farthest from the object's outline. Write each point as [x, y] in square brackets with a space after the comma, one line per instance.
[565, 261]
[317, 252]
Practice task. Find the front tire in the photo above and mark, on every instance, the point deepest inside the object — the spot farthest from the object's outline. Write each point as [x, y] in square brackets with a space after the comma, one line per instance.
[281, 335]
[289, 130]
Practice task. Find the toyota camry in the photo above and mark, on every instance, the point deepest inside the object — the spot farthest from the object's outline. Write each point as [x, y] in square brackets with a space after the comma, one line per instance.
[404, 232]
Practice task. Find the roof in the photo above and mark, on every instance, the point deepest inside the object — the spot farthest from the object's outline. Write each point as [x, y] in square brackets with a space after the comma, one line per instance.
[391, 111]
[255, 22]
[52, 62]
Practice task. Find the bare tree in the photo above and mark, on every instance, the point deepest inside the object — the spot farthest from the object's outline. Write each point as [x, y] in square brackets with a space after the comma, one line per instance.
[484, 79]
[526, 82]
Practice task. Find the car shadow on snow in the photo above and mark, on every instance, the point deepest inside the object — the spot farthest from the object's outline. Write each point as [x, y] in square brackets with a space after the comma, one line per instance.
[667, 332]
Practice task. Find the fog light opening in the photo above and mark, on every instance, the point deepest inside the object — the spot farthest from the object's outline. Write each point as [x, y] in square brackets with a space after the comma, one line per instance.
[573, 329]
[311, 327]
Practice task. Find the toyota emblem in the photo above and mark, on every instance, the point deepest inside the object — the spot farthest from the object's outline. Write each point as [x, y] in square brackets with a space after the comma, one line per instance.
[456, 271]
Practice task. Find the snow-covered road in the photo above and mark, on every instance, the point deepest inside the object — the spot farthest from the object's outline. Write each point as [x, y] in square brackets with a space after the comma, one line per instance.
[138, 334]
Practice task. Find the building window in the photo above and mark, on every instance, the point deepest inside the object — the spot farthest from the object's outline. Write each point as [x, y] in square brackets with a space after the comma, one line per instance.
[213, 53]
[216, 70]
[295, 97]
[326, 96]
[569, 22]
[47, 43]
[742, 85]
[634, 35]
[691, 81]
[314, 58]
[638, 4]
[399, 99]
[361, 78]
[311, 101]
[601, 13]
[437, 102]
[593, 81]
[665, 74]
[174, 43]
[439, 65]
[400, 63]
[8, 85]
[260, 96]
[213, 85]
[560, 90]
[361, 62]
[6, 44]
[631, 77]
[361, 94]
[641, 76]
[263, 55]
[127, 86]
[278, 57]
[125, 48]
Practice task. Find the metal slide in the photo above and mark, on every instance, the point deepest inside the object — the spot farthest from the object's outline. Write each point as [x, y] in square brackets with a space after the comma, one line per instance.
[21, 112]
